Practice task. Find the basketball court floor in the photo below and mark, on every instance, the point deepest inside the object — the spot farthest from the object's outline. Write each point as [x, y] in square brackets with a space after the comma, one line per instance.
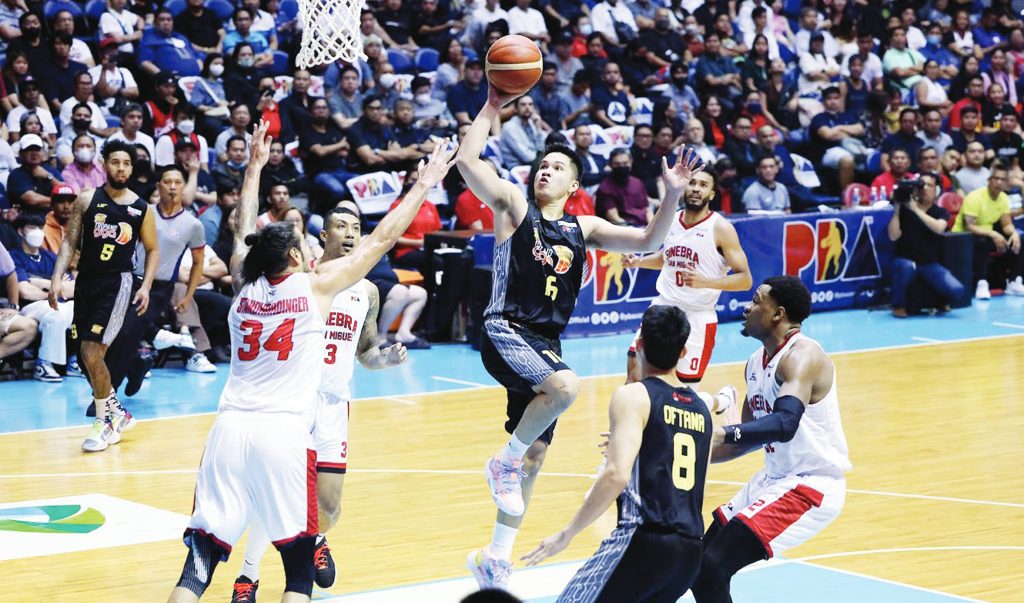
[935, 509]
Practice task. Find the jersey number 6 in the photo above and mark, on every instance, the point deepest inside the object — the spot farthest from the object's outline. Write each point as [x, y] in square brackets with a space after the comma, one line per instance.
[550, 288]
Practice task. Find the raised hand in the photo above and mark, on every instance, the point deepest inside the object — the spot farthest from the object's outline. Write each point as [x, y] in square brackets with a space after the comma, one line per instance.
[259, 149]
[678, 176]
[434, 168]
[498, 99]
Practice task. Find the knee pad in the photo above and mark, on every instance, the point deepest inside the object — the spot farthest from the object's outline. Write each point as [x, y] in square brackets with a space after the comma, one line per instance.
[299, 571]
[204, 553]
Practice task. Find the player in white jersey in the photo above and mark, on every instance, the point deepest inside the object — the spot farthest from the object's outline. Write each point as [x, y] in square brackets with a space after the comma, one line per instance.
[258, 464]
[350, 333]
[701, 257]
[792, 411]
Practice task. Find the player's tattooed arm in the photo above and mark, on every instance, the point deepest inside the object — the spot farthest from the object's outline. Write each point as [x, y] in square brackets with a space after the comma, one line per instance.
[72, 239]
[367, 350]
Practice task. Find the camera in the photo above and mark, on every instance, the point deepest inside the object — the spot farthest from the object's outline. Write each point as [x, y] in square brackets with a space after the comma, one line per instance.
[906, 190]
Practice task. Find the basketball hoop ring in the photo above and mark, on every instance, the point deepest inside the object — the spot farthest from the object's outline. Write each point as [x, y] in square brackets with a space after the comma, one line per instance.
[330, 32]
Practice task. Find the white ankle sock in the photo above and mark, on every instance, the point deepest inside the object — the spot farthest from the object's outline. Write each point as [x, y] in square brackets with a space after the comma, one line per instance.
[254, 549]
[502, 541]
[515, 450]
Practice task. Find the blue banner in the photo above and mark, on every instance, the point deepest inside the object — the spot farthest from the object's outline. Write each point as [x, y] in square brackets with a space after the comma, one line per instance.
[840, 256]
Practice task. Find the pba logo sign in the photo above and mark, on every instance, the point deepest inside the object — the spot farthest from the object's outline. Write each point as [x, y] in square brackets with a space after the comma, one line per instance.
[612, 282]
[372, 187]
[823, 246]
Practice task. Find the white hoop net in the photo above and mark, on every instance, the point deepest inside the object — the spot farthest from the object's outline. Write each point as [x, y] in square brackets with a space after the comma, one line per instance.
[330, 32]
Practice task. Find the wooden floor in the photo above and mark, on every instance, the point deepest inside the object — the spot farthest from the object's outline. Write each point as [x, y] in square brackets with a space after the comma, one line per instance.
[941, 421]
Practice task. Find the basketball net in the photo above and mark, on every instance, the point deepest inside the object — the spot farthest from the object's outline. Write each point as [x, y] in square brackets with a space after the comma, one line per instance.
[330, 32]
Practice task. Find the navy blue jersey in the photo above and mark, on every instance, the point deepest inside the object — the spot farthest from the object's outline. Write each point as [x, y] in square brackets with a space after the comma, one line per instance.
[109, 234]
[666, 487]
[538, 272]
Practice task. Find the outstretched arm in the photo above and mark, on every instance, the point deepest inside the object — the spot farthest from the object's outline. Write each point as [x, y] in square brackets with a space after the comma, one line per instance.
[627, 414]
[603, 234]
[340, 274]
[498, 194]
[248, 204]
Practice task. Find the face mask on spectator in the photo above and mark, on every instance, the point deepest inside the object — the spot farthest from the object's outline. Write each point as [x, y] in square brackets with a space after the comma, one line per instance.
[423, 98]
[237, 165]
[754, 108]
[216, 70]
[692, 30]
[81, 124]
[586, 29]
[186, 127]
[246, 63]
[620, 174]
[84, 155]
[34, 237]
[661, 24]
[31, 33]
[141, 168]
[934, 40]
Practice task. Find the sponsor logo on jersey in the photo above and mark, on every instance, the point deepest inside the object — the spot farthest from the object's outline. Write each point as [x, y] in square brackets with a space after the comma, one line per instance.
[120, 232]
[97, 329]
[566, 226]
[558, 256]
[134, 212]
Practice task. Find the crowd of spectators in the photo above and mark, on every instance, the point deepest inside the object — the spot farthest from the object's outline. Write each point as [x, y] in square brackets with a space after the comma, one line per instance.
[867, 91]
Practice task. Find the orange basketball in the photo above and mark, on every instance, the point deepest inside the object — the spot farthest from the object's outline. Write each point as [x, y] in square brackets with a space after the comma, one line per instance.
[514, 64]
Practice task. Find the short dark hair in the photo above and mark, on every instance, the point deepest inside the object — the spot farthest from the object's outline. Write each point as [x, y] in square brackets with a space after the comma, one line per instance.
[240, 9]
[234, 138]
[372, 98]
[268, 253]
[113, 146]
[24, 220]
[566, 150]
[968, 109]
[932, 175]
[548, 65]
[999, 165]
[766, 156]
[184, 109]
[171, 167]
[81, 106]
[791, 293]
[908, 110]
[664, 330]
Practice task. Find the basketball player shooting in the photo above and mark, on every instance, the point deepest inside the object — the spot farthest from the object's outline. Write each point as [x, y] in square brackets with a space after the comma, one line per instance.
[658, 451]
[259, 462]
[792, 411]
[351, 333]
[539, 260]
[701, 257]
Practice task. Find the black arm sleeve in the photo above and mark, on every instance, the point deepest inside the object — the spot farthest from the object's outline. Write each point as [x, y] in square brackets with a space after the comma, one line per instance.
[780, 426]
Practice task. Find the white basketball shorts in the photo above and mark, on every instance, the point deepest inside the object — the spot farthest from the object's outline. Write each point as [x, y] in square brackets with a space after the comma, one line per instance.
[256, 467]
[785, 512]
[330, 433]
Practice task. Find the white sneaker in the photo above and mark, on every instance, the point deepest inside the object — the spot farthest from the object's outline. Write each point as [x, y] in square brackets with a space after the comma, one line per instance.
[120, 419]
[505, 482]
[982, 291]
[73, 370]
[1015, 287]
[46, 373]
[728, 408]
[100, 436]
[489, 572]
[165, 339]
[199, 363]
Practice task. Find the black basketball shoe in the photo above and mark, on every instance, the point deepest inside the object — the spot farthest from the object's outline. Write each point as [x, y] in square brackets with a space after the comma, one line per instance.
[325, 572]
[245, 590]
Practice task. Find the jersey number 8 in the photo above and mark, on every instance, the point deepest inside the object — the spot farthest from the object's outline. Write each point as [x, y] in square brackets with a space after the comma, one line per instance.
[684, 461]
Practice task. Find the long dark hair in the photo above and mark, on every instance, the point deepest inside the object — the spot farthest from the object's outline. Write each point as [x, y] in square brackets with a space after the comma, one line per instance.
[268, 253]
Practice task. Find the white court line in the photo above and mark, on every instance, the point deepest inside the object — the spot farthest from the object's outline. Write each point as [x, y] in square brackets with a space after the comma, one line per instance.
[925, 340]
[886, 581]
[394, 399]
[1008, 325]
[474, 385]
[966, 501]
[912, 549]
[459, 381]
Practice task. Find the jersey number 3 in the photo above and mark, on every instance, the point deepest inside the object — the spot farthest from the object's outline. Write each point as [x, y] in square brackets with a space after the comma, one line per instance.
[684, 461]
[280, 340]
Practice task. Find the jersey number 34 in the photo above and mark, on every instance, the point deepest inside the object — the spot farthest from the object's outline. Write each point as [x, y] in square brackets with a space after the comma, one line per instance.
[280, 340]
